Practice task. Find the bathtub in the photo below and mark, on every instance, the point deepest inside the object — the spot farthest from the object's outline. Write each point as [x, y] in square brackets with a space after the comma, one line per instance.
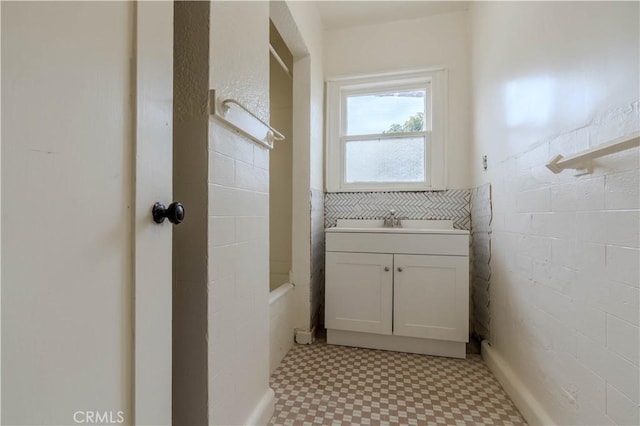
[281, 329]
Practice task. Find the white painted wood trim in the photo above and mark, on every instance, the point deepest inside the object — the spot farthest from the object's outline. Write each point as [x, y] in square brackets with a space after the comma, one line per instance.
[529, 407]
[152, 242]
[436, 138]
[301, 197]
[0, 222]
[305, 337]
[388, 74]
[264, 410]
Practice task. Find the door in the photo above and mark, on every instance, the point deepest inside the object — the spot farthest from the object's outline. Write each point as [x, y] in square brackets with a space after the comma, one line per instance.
[359, 292]
[431, 297]
[86, 150]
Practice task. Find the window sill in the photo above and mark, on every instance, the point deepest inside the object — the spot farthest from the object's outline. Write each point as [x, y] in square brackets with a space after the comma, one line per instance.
[387, 188]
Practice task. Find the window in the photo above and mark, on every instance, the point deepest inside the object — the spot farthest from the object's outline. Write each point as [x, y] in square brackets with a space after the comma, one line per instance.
[386, 132]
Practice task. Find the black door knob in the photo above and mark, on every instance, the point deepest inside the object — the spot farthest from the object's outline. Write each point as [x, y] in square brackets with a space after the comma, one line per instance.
[175, 212]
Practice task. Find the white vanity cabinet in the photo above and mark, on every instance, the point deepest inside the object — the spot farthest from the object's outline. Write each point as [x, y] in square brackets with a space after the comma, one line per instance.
[401, 289]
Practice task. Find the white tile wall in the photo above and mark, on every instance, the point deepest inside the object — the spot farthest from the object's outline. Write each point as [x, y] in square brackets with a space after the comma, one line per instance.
[581, 195]
[622, 338]
[621, 190]
[620, 264]
[566, 277]
[623, 300]
[592, 394]
[620, 408]
[238, 326]
[565, 256]
[238, 273]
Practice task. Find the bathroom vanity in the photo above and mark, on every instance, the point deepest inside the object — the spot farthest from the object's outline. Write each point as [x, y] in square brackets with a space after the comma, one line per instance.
[398, 288]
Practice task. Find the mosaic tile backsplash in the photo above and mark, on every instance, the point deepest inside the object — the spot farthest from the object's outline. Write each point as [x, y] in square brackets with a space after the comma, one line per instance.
[450, 204]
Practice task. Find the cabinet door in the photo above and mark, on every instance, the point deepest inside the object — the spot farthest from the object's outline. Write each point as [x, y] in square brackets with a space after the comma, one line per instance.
[359, 292]
[431, 297]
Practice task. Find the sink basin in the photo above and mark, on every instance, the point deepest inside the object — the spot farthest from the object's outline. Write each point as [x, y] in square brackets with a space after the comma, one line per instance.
[409, 226]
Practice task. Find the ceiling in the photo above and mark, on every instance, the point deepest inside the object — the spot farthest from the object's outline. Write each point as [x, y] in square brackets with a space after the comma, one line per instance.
[343, 14]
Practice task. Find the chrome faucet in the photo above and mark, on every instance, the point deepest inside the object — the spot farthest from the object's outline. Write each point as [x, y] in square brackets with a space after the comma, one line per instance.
[392, 221]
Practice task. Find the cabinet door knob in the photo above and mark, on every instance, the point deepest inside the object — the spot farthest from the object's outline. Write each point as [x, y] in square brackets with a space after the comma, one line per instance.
[386, 268]
[399, 269]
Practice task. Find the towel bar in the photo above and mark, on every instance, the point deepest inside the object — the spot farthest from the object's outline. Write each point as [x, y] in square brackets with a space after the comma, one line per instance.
[240, 118]
[580, 161]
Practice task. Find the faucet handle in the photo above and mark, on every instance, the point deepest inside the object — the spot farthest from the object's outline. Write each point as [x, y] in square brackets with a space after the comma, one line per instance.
[392, 221]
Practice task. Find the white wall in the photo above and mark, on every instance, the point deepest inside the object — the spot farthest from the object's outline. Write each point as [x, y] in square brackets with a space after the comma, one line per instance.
[555, 78]
[308, 23]
[239, 221]
[440, 40]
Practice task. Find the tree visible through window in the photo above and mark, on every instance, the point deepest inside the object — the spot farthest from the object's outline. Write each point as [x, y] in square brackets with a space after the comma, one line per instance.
[415, 123]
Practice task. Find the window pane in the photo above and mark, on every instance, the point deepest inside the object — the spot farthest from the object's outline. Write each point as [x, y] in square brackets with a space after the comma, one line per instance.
[391, 112]
[385, 160]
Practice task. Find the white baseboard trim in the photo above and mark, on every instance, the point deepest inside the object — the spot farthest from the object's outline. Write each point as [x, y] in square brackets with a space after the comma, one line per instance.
[396, 343]
[305, 337]
[533, 412]
[264, 410]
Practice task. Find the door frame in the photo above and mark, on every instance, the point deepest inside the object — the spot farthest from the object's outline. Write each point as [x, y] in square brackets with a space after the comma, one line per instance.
[153, 242]
[0, 220]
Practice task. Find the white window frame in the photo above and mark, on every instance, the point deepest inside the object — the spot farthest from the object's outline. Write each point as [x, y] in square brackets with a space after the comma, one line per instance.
[435, 82]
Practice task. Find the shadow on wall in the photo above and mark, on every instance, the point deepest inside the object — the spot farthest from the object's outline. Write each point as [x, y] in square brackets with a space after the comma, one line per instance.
[481, 216]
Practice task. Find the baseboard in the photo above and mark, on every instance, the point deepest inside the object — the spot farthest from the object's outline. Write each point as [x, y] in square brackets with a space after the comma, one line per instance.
[264, 410]
[533, 412]
[397, 343]
[305, 337]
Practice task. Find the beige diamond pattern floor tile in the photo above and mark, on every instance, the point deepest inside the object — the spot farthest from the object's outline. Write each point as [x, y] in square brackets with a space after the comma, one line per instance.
[324, 384]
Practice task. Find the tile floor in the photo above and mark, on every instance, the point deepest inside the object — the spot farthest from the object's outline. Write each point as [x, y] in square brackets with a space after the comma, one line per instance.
[337, 385]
